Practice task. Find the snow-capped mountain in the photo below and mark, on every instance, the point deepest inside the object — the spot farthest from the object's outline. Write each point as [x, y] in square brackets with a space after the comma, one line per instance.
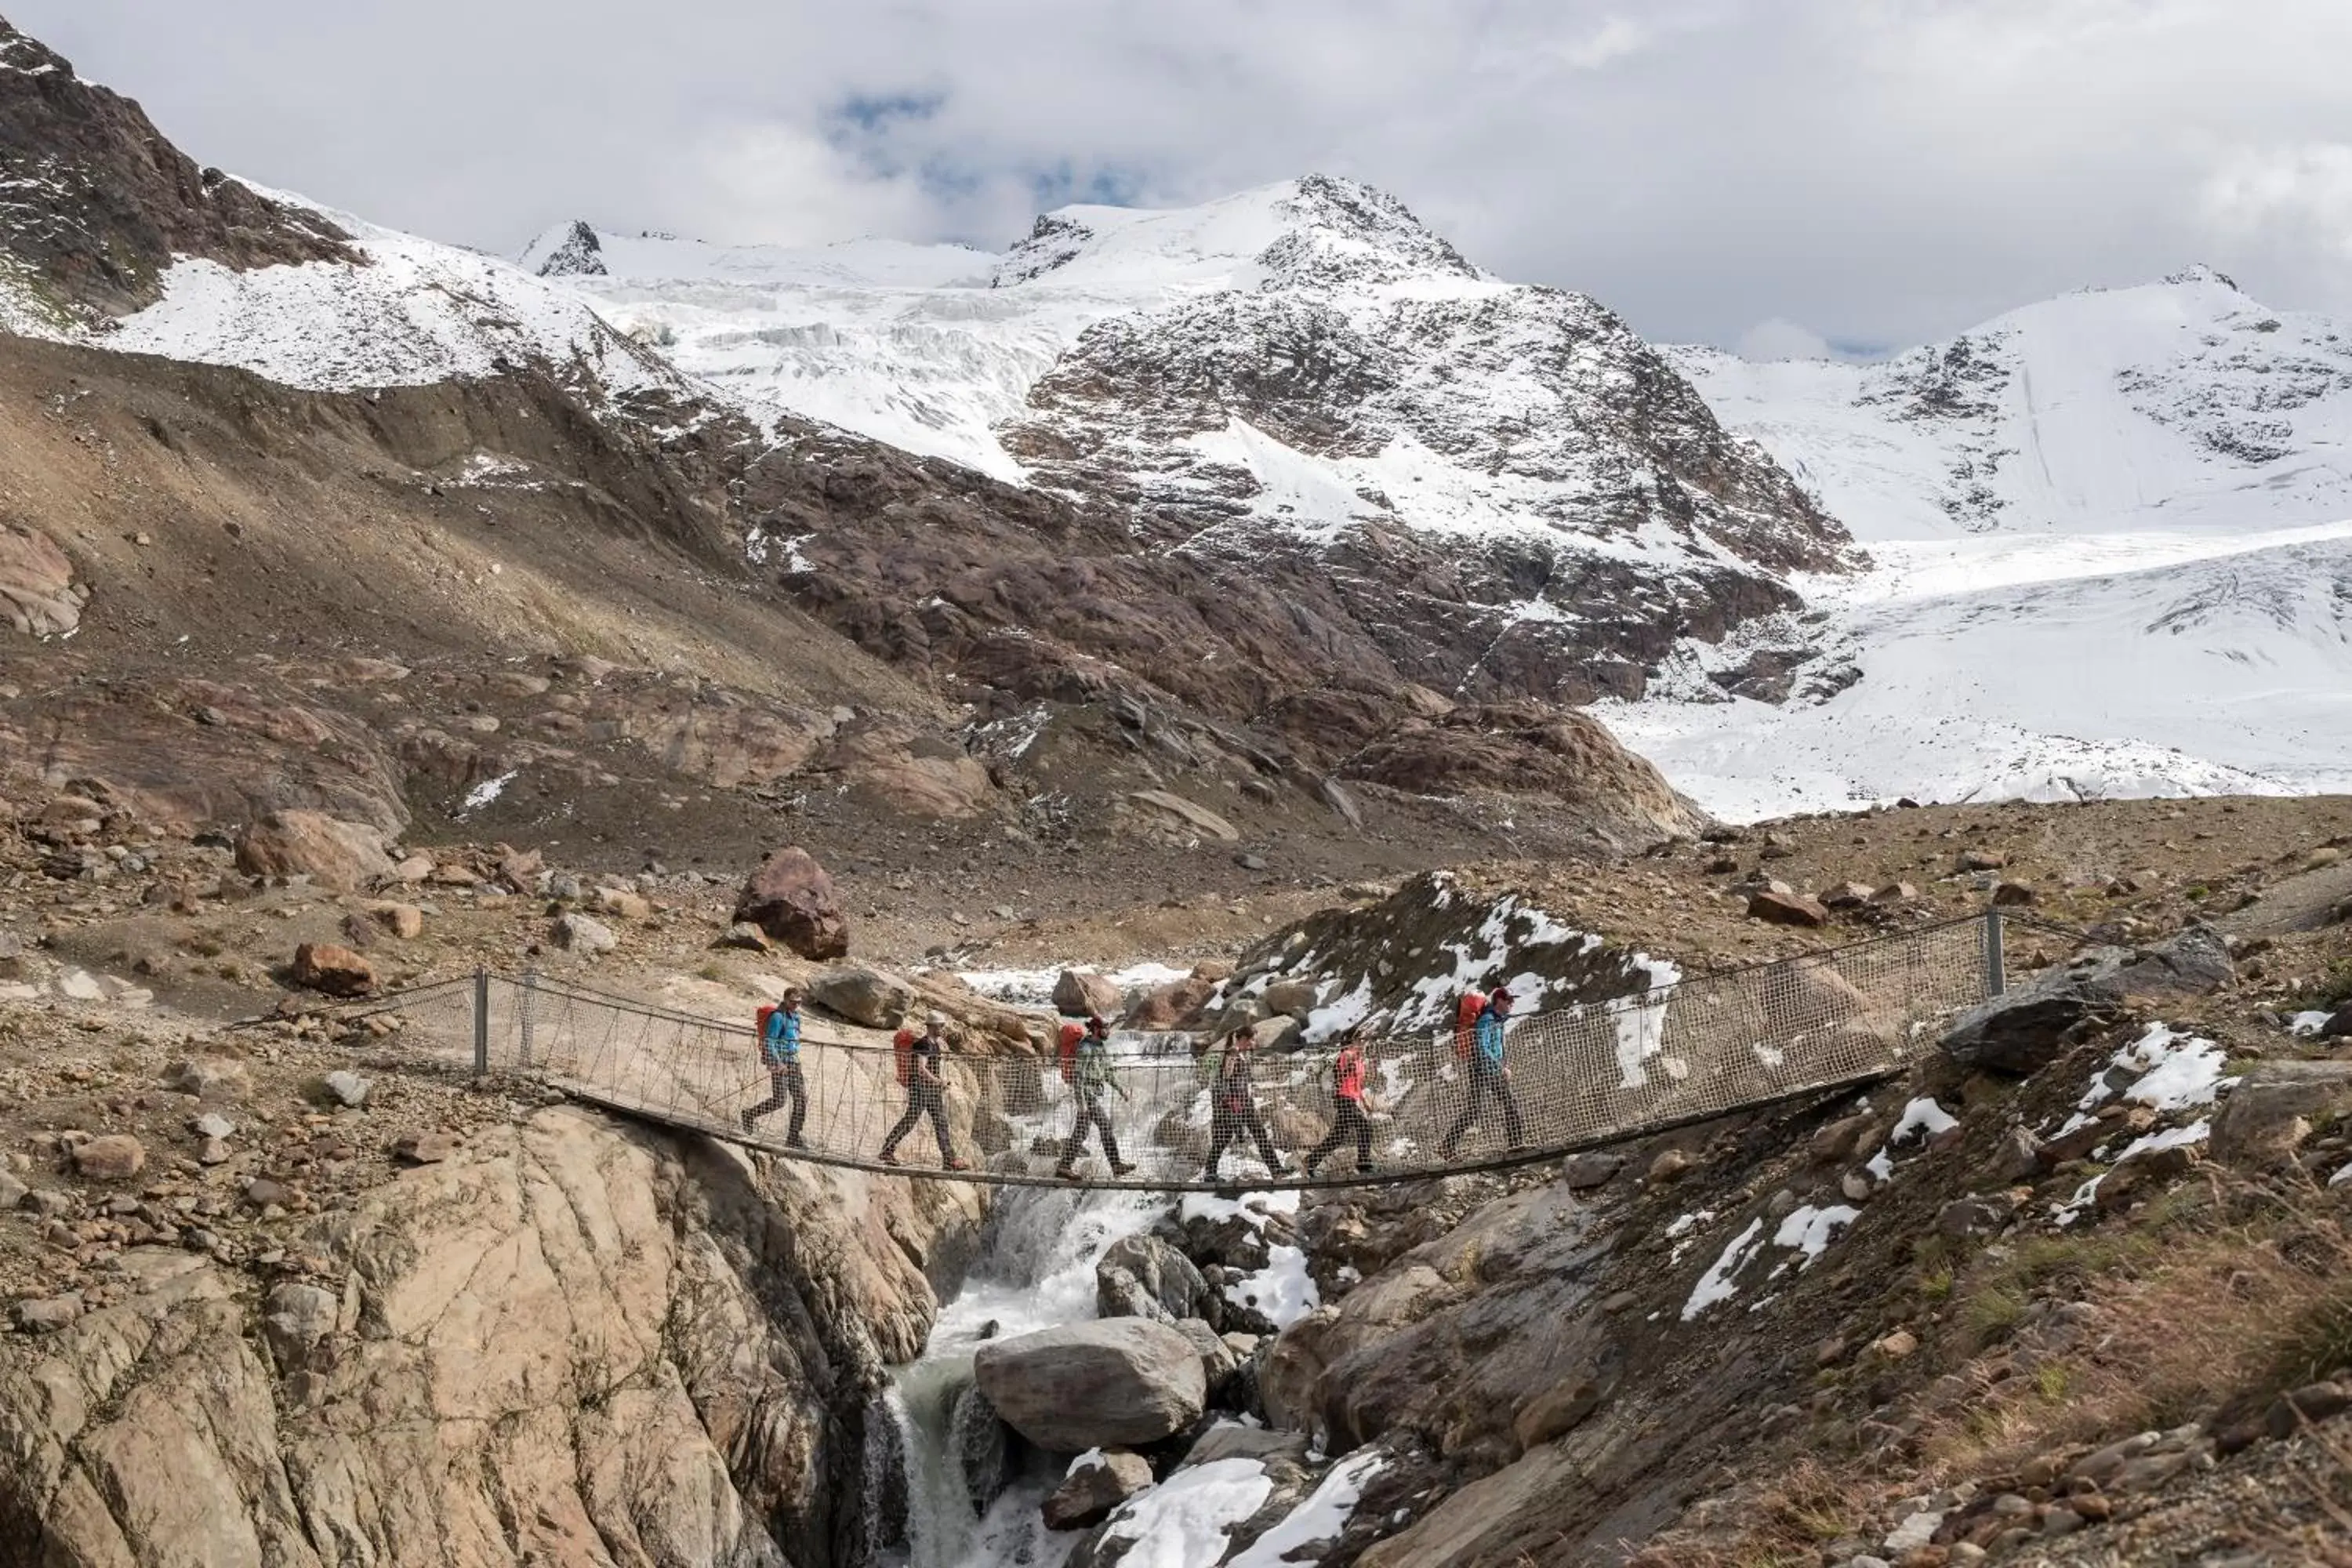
[110, 237]
[2112, 559]
[1529, 500]
[2179, 405]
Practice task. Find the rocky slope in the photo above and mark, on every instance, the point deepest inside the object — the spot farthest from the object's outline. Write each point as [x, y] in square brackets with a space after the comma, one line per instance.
[2071, 1293]
[509, 476]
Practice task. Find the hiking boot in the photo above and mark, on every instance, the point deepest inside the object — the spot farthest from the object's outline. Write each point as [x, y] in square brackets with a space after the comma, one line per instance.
[1121, 1168]
[887, 1157]
[795, 1143]
[956, 1163]
[746, 1118]
[1066, 1173]
[1363, 1170]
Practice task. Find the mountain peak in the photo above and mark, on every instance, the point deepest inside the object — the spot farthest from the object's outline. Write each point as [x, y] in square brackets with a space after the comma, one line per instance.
[2201, 273]
[1318, 230]
[567, 250]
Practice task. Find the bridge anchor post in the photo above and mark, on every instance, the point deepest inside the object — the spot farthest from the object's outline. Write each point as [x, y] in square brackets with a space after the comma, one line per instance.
[1996, 969]
[481, 1023]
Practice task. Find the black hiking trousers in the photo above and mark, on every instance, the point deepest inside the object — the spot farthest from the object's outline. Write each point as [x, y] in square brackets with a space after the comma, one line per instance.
[923, 1100]
[1092, 1115]
[1487, 1081]
[785, 1084]
[1227, 1128]
[1348, 1120]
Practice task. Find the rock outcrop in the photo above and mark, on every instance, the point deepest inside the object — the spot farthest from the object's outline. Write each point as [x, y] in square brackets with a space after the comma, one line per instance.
[572, 1344]
[100, 202]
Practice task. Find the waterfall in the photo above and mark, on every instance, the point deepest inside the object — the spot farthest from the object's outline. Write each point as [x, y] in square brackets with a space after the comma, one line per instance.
[1036, 1269]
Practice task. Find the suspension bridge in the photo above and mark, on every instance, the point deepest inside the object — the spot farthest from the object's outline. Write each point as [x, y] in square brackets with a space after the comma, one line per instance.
[1582, 1075]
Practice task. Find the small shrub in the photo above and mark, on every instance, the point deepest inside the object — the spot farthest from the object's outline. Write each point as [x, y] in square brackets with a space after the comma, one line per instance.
[1991, 1314]
[1935, 1285]
[2052, 1381]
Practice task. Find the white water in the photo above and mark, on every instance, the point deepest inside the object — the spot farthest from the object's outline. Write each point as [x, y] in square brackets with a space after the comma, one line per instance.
[1037, 1271]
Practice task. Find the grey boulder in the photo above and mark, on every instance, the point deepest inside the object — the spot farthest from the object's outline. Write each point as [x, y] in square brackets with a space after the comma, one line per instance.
[1107, 1384]
[1143, 1277]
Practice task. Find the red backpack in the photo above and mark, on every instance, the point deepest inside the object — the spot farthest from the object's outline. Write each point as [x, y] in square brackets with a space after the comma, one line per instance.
[902, 1052]
[1466, 1014]
[1072, 1033]
[765, 1013]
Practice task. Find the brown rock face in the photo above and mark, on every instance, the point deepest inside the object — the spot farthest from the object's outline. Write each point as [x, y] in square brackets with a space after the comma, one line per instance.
[791, 898]
[111, 201]
[336, 970]
[38, 595]
[341, 857]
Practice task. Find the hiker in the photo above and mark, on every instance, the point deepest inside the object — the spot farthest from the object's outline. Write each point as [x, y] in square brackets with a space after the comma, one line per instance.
[1094, 1072]
[1348, 1118]
[1233, 1105]
[780, 1048]
[1490, 1077]
[926, 1091]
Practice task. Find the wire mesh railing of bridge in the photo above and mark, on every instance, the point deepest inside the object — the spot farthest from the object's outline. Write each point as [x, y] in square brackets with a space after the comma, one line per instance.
[1579, 1076]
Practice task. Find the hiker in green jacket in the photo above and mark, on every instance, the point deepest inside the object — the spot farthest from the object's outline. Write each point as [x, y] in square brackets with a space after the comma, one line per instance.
[1096, 1075]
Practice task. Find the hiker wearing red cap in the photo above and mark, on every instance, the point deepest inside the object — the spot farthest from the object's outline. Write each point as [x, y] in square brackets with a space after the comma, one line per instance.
[1093, 1072]
[1234, 1106]
[1348, 1117]
[1490, 1077]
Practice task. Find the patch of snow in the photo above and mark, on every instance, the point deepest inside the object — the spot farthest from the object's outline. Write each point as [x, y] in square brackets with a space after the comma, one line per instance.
[2174, 1072]
[1331, 1020]
[1185, 1521]
[1092, 1459]
[2306, 1025]
[1321, 1517]
[1811, 1230]
[1282, 1290]
[2166, 1138]
[1881, 1167]
[488, 790]
[1922, 1115]
[1715, 1285]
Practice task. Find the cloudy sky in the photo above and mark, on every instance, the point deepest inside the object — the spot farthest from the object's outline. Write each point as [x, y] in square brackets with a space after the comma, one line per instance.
[1767, 172]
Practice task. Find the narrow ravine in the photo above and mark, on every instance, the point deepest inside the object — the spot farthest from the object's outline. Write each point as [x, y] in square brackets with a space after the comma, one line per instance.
[1037, 1270]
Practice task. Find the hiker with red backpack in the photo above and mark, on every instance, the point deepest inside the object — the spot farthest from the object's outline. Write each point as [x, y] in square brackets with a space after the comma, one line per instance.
[1348, 1117]
[1490, 1076]
[917, 1062]
[1088, 1071]
[780, 1048]
[1233, 1106]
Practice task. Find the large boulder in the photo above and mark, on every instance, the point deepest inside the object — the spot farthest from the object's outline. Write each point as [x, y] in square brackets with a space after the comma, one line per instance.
[336, 970]
[2274, 1109]
[1080, 991]
[339, 856]
[791, 898]
[1094, 1385]
[2020, 1032]
[1097, 1484]
[1143, 1277]
[1169, 1006]
[863, 995]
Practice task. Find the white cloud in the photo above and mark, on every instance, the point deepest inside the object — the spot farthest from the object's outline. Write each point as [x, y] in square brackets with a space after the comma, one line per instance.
[1882, 170]
[1778, 339]
[1613, 40]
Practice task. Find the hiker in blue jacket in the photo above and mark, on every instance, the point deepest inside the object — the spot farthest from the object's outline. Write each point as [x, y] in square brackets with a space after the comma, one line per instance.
[1490, 1077]
[780, 1048]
